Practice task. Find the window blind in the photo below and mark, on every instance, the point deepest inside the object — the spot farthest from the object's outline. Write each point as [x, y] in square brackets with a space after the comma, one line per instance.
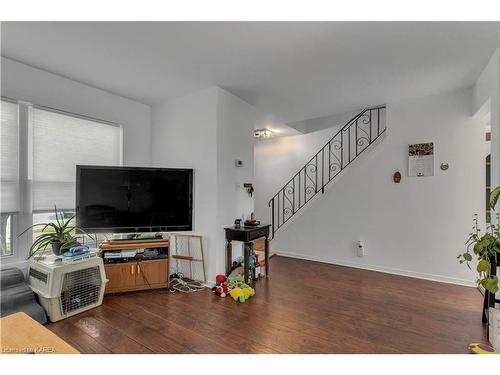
[60, 142]
[9, 157]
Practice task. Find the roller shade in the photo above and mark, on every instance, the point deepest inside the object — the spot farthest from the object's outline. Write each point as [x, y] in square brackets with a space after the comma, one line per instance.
[60, 142]
[9, 157]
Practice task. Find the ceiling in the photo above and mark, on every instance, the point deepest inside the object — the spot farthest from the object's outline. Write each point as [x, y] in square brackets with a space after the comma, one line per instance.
[290, 71]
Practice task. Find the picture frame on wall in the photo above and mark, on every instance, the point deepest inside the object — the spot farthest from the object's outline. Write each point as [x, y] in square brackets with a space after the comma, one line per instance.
[421, 159]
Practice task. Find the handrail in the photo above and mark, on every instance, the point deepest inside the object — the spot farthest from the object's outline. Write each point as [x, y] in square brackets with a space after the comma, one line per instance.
[357, 133]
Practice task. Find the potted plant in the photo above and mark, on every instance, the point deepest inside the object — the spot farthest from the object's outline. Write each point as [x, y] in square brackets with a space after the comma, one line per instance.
[485, 248]
[59, 235]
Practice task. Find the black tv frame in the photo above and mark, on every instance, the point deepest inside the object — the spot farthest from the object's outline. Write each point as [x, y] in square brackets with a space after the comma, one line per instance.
[171, 228]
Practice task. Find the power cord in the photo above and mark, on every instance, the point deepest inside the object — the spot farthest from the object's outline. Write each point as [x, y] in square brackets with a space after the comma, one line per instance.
[144, 275]
[180, 283]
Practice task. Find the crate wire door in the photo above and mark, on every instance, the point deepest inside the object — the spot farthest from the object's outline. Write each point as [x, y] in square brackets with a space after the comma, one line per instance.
[184, 246]
[80, 289]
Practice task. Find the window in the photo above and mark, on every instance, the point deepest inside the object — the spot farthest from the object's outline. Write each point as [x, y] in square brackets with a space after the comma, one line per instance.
[9, 157]
[60, 142]
[40, 148]
[7, 234]
[49, 217]
[9, 174]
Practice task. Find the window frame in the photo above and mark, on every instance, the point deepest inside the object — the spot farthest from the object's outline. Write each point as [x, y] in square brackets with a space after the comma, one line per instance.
[13, 235]
[24, 218]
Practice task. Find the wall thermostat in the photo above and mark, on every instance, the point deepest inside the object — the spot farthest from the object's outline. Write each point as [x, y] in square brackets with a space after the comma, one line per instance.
[238, 163]
[249, 188]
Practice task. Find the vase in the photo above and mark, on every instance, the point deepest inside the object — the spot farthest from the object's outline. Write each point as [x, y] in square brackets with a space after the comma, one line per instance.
[494, 327]
[56, 247]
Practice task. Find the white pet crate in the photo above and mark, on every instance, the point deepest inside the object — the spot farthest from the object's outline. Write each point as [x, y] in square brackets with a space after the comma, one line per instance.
[66, 289]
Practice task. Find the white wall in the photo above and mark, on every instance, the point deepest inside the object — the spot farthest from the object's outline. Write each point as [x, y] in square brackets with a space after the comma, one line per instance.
[414, 228]
[320, 123]
[486, 98]
[235, 125]
[184, 135]
[23, 82]
[207, 131]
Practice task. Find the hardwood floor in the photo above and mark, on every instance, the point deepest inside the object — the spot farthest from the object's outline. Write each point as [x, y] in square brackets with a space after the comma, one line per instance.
[304, 307]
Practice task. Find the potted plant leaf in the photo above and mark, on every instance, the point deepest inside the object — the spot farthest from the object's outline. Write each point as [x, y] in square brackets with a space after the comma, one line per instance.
[59, 235]
[485, 248]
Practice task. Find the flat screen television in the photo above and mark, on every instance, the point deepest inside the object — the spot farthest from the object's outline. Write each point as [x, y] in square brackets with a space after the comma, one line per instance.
[133, 199]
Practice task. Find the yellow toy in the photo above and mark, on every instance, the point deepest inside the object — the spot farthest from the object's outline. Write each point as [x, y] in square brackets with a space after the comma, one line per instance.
[479, 348]
[242, 293]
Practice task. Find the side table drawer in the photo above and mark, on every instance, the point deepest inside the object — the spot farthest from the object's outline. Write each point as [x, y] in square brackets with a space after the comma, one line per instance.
[261, 232]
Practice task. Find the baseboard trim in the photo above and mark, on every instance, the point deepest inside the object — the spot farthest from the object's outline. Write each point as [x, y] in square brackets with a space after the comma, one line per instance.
[369, 267]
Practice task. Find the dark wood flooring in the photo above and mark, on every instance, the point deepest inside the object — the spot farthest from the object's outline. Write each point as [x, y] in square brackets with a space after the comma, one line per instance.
[304, 307]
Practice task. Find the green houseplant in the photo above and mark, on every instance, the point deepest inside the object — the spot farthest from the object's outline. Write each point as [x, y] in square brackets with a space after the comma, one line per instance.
[59, 235]
[484, 248]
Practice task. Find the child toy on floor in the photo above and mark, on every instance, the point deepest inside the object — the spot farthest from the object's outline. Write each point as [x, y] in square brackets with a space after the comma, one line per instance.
[234, 286]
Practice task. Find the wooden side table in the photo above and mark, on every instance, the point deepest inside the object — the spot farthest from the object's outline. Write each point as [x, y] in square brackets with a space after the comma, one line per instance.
[20, 334]
[246, 235]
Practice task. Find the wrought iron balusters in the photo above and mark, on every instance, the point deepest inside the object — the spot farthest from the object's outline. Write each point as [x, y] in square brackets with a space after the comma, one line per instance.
[304, 185]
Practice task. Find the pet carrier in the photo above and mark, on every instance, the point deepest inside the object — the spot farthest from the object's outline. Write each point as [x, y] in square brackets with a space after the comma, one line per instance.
[66, 289]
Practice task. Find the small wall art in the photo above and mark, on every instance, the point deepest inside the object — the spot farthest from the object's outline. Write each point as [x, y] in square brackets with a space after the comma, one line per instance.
[396, 177]
[421, 160]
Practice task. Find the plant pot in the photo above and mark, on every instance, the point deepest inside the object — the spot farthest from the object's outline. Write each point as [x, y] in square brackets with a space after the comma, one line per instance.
[494, 327]
[56, 247]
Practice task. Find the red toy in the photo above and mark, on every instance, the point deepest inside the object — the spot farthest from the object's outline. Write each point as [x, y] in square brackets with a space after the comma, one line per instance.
[220, 287]
[219, 279]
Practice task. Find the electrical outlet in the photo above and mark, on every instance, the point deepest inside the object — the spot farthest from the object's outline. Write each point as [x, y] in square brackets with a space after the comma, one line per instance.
[361, 251]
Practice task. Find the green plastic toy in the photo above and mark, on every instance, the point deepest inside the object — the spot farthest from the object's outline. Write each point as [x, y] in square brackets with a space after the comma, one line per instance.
[236, 279]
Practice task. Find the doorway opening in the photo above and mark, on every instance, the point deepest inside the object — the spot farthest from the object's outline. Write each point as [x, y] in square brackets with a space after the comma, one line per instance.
[487, 139]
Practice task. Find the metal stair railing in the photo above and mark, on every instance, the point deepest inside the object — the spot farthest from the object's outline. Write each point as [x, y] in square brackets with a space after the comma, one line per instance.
[341, 150]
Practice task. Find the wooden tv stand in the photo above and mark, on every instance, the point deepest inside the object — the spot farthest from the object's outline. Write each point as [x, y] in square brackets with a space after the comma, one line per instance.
[137, 274]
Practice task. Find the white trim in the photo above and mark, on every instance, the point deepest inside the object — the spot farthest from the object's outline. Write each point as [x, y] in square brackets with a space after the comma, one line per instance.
[14, 257]
[393, 271]
[121, 144]
[25, 218]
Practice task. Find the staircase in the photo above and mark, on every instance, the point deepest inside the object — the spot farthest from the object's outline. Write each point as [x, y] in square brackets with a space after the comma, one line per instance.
[342, 149]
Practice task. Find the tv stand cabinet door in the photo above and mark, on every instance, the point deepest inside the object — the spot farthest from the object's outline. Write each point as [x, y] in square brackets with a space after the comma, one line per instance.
[152, 274]
[121, 276]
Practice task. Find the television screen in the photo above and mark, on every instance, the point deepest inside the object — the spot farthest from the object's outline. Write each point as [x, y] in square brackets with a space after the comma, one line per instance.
[131, 199]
